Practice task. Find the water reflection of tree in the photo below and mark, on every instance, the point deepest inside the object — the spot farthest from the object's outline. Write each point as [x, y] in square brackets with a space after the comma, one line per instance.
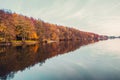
[13, 59]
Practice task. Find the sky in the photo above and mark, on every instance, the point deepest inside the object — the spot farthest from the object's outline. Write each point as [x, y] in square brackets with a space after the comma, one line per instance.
[98, 16]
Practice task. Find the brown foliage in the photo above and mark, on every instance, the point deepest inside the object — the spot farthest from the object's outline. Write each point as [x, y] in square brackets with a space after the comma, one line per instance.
[29, 28]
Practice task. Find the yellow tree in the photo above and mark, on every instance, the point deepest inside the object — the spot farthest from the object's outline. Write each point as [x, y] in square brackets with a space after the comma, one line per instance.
[4, 32]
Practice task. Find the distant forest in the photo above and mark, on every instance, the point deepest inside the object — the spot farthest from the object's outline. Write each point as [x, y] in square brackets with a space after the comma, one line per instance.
[15, 26]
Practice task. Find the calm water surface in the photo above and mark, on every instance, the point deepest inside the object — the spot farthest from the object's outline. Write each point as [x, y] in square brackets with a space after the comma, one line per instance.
[84, 60]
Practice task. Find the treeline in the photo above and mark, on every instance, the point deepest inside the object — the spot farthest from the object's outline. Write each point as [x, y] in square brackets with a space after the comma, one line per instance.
[14, 26]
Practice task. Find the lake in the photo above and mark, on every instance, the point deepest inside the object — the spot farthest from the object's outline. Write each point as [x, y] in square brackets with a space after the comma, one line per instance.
[79, 60]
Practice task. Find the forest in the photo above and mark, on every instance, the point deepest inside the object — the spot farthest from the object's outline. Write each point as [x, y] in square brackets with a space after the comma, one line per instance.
[17, 27]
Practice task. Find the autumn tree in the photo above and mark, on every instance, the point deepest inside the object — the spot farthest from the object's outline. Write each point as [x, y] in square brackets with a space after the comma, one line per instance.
[14, 26]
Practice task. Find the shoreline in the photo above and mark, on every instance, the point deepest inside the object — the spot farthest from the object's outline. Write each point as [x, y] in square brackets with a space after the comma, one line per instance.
[18, 43]
[29, 42]
[21, 43]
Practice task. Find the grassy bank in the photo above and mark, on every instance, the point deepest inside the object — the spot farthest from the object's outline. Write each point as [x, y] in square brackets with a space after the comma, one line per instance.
[26, 42]
[19, 43]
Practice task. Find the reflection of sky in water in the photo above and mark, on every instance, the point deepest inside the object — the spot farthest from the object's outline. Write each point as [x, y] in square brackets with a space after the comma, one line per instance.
[97, 61]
